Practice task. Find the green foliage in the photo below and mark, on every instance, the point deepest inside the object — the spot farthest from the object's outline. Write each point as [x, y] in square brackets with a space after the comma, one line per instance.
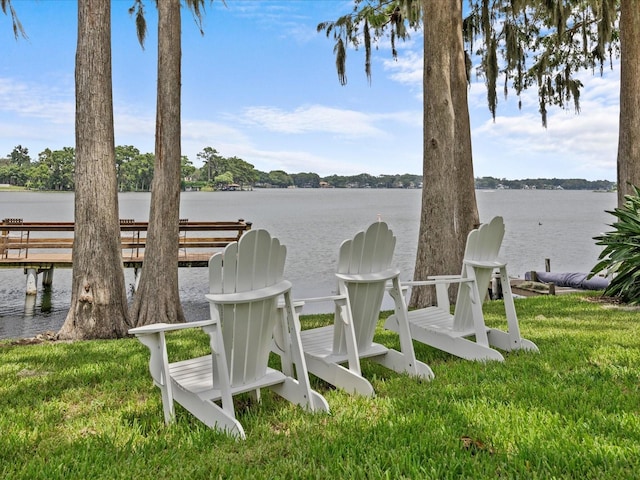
[134, 172]
[531, 43]
[225, 178]
[137, 11]
[89, 410]
[621, 253]
[213, 164]
[370, 21]
[18, 30]
[306, 180]
[545, 183]
[279, 178]
[541, 44]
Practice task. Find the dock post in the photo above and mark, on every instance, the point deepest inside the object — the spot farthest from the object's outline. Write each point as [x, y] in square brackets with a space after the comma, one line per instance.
[547, 264]
[496, 286]
[29, 305]
[47, 277]
[136, 278]
[32, 281]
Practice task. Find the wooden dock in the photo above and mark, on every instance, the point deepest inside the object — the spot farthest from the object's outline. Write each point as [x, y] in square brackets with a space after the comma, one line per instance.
[41, 247]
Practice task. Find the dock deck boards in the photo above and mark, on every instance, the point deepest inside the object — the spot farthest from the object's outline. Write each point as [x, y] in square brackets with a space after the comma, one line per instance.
[43, 261]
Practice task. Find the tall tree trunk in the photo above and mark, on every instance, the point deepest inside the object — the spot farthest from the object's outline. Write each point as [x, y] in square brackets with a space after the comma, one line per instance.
[158, 298]
[628, 136]
[465, 191]
[437, 234]
[98, 297]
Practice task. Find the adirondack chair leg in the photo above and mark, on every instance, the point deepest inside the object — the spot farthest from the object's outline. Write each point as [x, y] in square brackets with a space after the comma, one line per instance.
[405, 360]
[297, 390]
[343, 312]
[219, 362]
[282, 342]
[458, 346]
[398, 362]
[476, 308]
[347, 378]
[210, 413]
[510, 340]
[341, 377]
[159, 368]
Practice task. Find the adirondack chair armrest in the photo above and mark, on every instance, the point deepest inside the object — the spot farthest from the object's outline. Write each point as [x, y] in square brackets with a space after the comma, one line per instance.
[339, 300]
[441, 282]
[436, 280]
[369, 277]
[486, 264]
[258, 294]
[168, 327]
[444, 278]
[328, 298]
[152, 336]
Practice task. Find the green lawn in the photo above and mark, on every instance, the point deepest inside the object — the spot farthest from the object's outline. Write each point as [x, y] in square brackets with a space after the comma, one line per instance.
[88, 410]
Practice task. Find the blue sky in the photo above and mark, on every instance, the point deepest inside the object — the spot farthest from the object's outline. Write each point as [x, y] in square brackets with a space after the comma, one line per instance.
[261, 85]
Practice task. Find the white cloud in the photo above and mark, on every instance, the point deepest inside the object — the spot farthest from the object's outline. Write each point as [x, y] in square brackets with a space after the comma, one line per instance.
[406, 69]
[315, 118]
[573, 144]
[37, 101]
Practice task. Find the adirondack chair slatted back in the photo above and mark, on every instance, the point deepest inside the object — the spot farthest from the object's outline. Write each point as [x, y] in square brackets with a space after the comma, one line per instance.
[253, 262]
[369, 251]
[483, 245]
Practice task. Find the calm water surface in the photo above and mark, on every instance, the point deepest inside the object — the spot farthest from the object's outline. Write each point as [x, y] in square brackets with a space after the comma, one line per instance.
[559, 225]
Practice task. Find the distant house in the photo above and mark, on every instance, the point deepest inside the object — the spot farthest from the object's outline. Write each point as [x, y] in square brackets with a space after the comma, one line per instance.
[324, 185]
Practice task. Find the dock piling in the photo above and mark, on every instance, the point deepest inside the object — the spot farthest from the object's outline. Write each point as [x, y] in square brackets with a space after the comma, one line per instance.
[32, 281]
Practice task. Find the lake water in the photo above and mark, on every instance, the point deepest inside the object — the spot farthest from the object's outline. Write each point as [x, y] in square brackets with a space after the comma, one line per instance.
[559, 225]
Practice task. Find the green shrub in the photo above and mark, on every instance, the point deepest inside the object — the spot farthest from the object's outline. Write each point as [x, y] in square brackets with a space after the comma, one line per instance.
[621, 253]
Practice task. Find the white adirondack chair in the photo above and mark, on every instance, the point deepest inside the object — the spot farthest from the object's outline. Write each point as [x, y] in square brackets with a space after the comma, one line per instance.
[249, 301]
[364, 273]
[436, 326]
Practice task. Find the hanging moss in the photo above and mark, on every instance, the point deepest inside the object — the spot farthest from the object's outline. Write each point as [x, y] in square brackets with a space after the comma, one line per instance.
[542, 43]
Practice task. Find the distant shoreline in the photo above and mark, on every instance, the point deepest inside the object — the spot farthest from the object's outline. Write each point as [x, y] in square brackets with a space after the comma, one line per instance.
[15, 189]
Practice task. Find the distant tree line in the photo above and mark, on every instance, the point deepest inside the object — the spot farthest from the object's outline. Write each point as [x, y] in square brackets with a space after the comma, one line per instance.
[545, 184]
[53, 170]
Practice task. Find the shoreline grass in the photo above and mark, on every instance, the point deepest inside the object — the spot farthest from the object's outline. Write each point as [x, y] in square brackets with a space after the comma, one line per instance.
[89, 410]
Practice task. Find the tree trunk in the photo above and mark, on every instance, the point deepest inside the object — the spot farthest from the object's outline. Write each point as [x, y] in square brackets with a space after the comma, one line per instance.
[466, 218]
[157, 298]
[98, 298]
[628, 138]
[437, 234]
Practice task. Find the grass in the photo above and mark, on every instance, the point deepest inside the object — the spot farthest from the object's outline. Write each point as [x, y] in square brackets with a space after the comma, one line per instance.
[88, 410]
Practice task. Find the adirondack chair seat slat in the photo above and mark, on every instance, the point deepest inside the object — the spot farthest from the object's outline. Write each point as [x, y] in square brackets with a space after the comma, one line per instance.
[196, 375]
[438, 327]
[436, 319]
[251, 310]
[317, 340]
